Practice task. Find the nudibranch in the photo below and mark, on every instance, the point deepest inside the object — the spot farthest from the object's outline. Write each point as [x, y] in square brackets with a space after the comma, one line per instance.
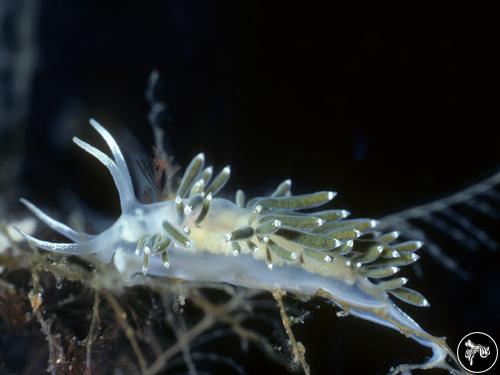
[267, 243]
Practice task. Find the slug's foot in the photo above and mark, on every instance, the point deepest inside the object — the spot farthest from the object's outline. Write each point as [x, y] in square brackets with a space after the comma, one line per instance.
[441, 353]
[391, 316]
[406, 369]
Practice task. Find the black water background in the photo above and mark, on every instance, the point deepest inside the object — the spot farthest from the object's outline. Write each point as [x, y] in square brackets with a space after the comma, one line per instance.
[390, 105]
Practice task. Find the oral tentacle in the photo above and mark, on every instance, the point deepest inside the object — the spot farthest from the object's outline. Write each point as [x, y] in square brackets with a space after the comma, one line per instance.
[74, 248]
[56, 225]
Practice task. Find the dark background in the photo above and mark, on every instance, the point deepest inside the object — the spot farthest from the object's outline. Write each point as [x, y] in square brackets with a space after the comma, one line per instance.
[389, 105]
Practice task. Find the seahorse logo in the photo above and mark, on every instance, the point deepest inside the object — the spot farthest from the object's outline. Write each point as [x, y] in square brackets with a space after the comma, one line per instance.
[483, 351]
[477, 352]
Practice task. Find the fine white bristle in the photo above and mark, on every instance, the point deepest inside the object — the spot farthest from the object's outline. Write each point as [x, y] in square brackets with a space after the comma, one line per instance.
[236, 253]
[186, 230]
[414, 257]
[187, 210]
[178, 200]
[328, 258]
[277, 223]
[395, 269]
[265, 239]
[147, 250]
[320, 222]
[347, 262]
[270, 266]
[380, 248]
[227, 237]
[425, 303]
[331, 195]
[373, 223]
[166, 265]
[293, 256]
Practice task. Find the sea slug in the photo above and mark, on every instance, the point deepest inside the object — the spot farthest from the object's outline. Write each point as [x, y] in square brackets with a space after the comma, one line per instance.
[267, 243]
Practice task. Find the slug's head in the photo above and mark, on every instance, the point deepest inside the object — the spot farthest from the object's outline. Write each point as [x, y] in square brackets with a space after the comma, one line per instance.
[84, 243]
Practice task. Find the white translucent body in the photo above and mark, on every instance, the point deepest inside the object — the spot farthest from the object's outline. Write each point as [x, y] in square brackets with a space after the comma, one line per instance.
[211, 258]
